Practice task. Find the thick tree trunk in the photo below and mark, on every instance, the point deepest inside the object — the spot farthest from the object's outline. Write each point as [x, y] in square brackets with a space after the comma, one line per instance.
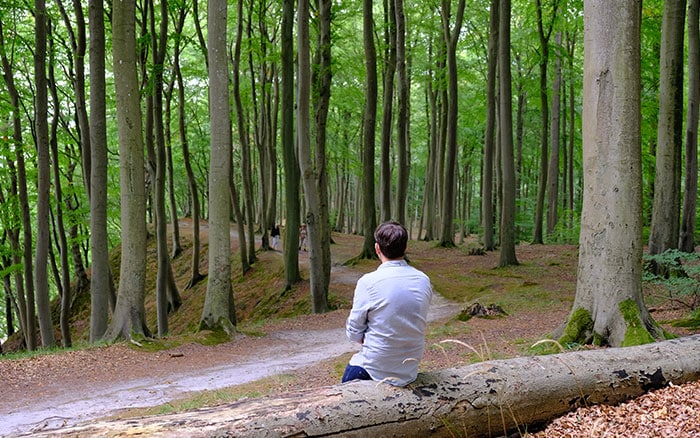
[484, 399]
[219, 309]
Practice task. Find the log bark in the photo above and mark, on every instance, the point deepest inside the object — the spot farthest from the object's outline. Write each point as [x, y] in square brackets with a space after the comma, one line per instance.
[484, 399]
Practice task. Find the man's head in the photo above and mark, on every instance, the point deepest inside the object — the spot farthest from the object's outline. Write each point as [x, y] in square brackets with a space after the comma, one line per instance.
[391, 237]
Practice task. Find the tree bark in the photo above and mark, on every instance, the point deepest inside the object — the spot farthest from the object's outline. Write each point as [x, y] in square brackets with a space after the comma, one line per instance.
[609, 307]
[555, 132]
[369, 219]
[665, 220]
[289, 158]
[451, 36]
[544, 34]
[487, 218]
[390, 59]
[690, 195]
[507, 229]
[490, 398]
[403, 149]
[218, 311]
[101, 279]
[129, 319]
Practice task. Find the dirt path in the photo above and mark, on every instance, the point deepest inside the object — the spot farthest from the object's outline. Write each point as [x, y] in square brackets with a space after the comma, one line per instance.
[162, 377]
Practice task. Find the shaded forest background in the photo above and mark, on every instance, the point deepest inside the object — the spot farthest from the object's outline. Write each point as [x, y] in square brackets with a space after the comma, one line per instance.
[435, 169]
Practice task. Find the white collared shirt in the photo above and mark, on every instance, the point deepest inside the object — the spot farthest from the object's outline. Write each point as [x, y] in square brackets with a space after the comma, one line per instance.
[389, 317]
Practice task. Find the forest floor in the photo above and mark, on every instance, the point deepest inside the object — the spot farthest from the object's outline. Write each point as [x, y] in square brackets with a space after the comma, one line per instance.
[277, 354]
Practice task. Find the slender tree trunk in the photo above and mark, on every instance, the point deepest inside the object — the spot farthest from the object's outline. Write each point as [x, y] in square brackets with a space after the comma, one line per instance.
[487, 217]
[63, 280]
[158, 42]
[690, 195]
[101, 279]
[390, 59]
[451, 37]
[369, 219]
[247, 177]
[291, 165]
[41, 280]
[195, 275]
[402, 141]
[18, 189]
[665, 220]
[555, 131]
[544, 34]
[507, 228]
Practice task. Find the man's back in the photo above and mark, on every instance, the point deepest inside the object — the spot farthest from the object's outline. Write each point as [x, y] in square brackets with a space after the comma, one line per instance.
[389, 317]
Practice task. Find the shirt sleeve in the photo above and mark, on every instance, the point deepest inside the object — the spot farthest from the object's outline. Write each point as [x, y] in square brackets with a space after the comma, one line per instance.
[356, 324]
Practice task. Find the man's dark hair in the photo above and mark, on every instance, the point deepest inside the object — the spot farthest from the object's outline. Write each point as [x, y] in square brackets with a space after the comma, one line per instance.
[392, 238]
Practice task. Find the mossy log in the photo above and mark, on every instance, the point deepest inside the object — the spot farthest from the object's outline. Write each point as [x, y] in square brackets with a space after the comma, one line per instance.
[485, 399]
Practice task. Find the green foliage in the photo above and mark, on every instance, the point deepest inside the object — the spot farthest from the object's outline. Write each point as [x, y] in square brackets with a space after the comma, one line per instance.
[678, 273]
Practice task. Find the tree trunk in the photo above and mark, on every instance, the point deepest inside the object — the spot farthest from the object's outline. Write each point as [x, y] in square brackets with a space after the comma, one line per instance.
[665, 220]
[101, 278]
[246, 172]
[402, 123]
[218, 311]
[369, 219]
[491, 398]
[41, 280]
[387, 110]
[608, 308]
[690, 195]
[555, 132]
[487, 218]
[158, 43]
[195, 275]
[451, 37]
[129, 318]
[63, 281]
[289, 157]
[507, 228]
[544, 35]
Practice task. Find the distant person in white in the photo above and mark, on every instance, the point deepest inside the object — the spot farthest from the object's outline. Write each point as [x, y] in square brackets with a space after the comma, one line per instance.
[389, 314]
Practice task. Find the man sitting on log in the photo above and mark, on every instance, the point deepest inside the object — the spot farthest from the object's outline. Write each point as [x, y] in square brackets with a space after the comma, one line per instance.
[389, 314]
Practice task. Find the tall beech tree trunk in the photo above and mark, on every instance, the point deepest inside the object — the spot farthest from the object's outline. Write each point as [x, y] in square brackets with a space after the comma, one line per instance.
[545, 33]
[494, 398]
[219, 310]
[41, 279]
[129, 318]
[389, 74]
[487, 219]
[665, 218]
[289, 157]
[369, 218]
[555, 133]
[690, 195]
[101, 284]
[403, 151]
[451, 36]
[609, 308]
[505, 113]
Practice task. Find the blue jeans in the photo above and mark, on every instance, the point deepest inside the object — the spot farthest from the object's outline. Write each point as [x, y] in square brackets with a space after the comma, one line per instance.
[353, 372]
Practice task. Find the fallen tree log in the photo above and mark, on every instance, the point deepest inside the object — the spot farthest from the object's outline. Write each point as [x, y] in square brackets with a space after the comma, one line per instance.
[490, 398]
